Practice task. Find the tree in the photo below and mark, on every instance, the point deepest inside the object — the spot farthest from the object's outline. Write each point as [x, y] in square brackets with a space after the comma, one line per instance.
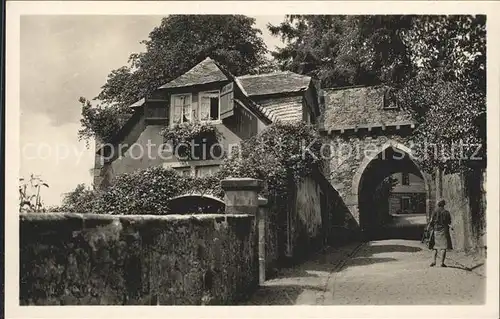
[447, 95]
[174, 47]
[101, 122]
[344, 50]
[436, 63]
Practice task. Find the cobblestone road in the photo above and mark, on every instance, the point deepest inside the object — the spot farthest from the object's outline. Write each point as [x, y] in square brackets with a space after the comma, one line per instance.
[388, 272]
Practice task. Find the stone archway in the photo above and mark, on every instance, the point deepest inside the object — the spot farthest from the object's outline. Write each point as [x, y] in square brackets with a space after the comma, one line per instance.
[373, 168]
[194, 203]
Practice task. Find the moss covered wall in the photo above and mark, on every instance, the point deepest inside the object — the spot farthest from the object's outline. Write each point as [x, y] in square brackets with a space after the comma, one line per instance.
[466, 202]
[307, 222]
[74, 259]
[316, 216]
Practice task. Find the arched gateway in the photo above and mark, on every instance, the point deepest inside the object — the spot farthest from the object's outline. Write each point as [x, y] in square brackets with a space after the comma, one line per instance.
[371, 146]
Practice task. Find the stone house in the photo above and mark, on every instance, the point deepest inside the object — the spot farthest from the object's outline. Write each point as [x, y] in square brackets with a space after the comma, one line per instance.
[239, 107]
[408, 195]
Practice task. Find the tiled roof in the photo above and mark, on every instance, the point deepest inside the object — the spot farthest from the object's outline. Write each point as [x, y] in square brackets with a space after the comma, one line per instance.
[273, 83]
[204, 72]
[289, 108]
[358, 107]
[286, 109]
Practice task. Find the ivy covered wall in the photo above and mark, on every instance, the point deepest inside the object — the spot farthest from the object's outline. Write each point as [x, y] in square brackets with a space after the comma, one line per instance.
[85, 259]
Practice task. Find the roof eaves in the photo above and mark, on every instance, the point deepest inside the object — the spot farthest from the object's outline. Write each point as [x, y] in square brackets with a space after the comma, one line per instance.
[238, 83]
[353, 87]
[190, 85]
[138, 103]
[281, 93]
[251, 76]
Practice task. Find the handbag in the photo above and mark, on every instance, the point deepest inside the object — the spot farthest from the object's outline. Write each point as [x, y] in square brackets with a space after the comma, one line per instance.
[428, 237]
[430, 243]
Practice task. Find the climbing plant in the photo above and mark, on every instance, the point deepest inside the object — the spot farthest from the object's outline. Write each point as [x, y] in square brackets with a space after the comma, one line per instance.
[188, 139]
[281, 155]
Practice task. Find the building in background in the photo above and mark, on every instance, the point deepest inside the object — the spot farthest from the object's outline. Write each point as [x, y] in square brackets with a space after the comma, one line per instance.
[408, 196]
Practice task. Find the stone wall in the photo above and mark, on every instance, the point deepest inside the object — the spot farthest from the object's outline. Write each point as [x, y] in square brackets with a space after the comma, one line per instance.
[466, 202]
[354, 106]
[457, 204]
[271, 241]
[316, 216]
[338, 224]
[71, 259]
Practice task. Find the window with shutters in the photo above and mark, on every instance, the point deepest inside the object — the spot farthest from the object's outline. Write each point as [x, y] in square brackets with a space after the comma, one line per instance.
[181, 108]
[209, 106]
[227, 101]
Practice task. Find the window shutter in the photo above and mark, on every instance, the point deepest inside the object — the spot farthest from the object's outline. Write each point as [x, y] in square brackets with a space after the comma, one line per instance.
[226, 101]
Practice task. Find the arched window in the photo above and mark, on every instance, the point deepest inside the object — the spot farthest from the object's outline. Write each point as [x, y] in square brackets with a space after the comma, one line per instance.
[390, 102]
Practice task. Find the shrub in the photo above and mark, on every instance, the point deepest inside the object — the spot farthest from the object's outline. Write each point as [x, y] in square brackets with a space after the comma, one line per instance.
[141, 192]
[80, 200]
[281, 155]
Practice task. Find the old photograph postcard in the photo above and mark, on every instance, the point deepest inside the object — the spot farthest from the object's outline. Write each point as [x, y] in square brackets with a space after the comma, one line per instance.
[261, 159]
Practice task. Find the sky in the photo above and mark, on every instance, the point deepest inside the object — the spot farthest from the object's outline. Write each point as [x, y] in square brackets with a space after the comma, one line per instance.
[62, 58]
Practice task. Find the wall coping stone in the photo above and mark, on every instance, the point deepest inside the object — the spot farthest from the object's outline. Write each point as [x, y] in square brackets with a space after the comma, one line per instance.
[132, 218]
[242, 184]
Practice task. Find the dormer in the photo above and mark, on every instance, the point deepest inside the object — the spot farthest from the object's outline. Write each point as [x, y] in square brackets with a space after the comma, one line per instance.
[206, 92]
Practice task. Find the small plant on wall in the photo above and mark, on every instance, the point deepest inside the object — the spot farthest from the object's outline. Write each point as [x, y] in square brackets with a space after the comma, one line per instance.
[30, 199]
[188, 139]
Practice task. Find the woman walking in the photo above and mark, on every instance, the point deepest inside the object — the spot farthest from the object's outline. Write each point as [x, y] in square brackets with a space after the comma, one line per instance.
[440, 225]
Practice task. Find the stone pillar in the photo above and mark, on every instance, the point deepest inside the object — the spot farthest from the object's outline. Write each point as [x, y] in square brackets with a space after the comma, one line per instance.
[241, 195]
[262, 227]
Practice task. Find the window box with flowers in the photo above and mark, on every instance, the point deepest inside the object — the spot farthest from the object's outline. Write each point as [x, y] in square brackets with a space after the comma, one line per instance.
[193, 140]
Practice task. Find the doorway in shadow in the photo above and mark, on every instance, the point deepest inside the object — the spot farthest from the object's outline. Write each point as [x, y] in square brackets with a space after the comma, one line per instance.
[384, 190]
